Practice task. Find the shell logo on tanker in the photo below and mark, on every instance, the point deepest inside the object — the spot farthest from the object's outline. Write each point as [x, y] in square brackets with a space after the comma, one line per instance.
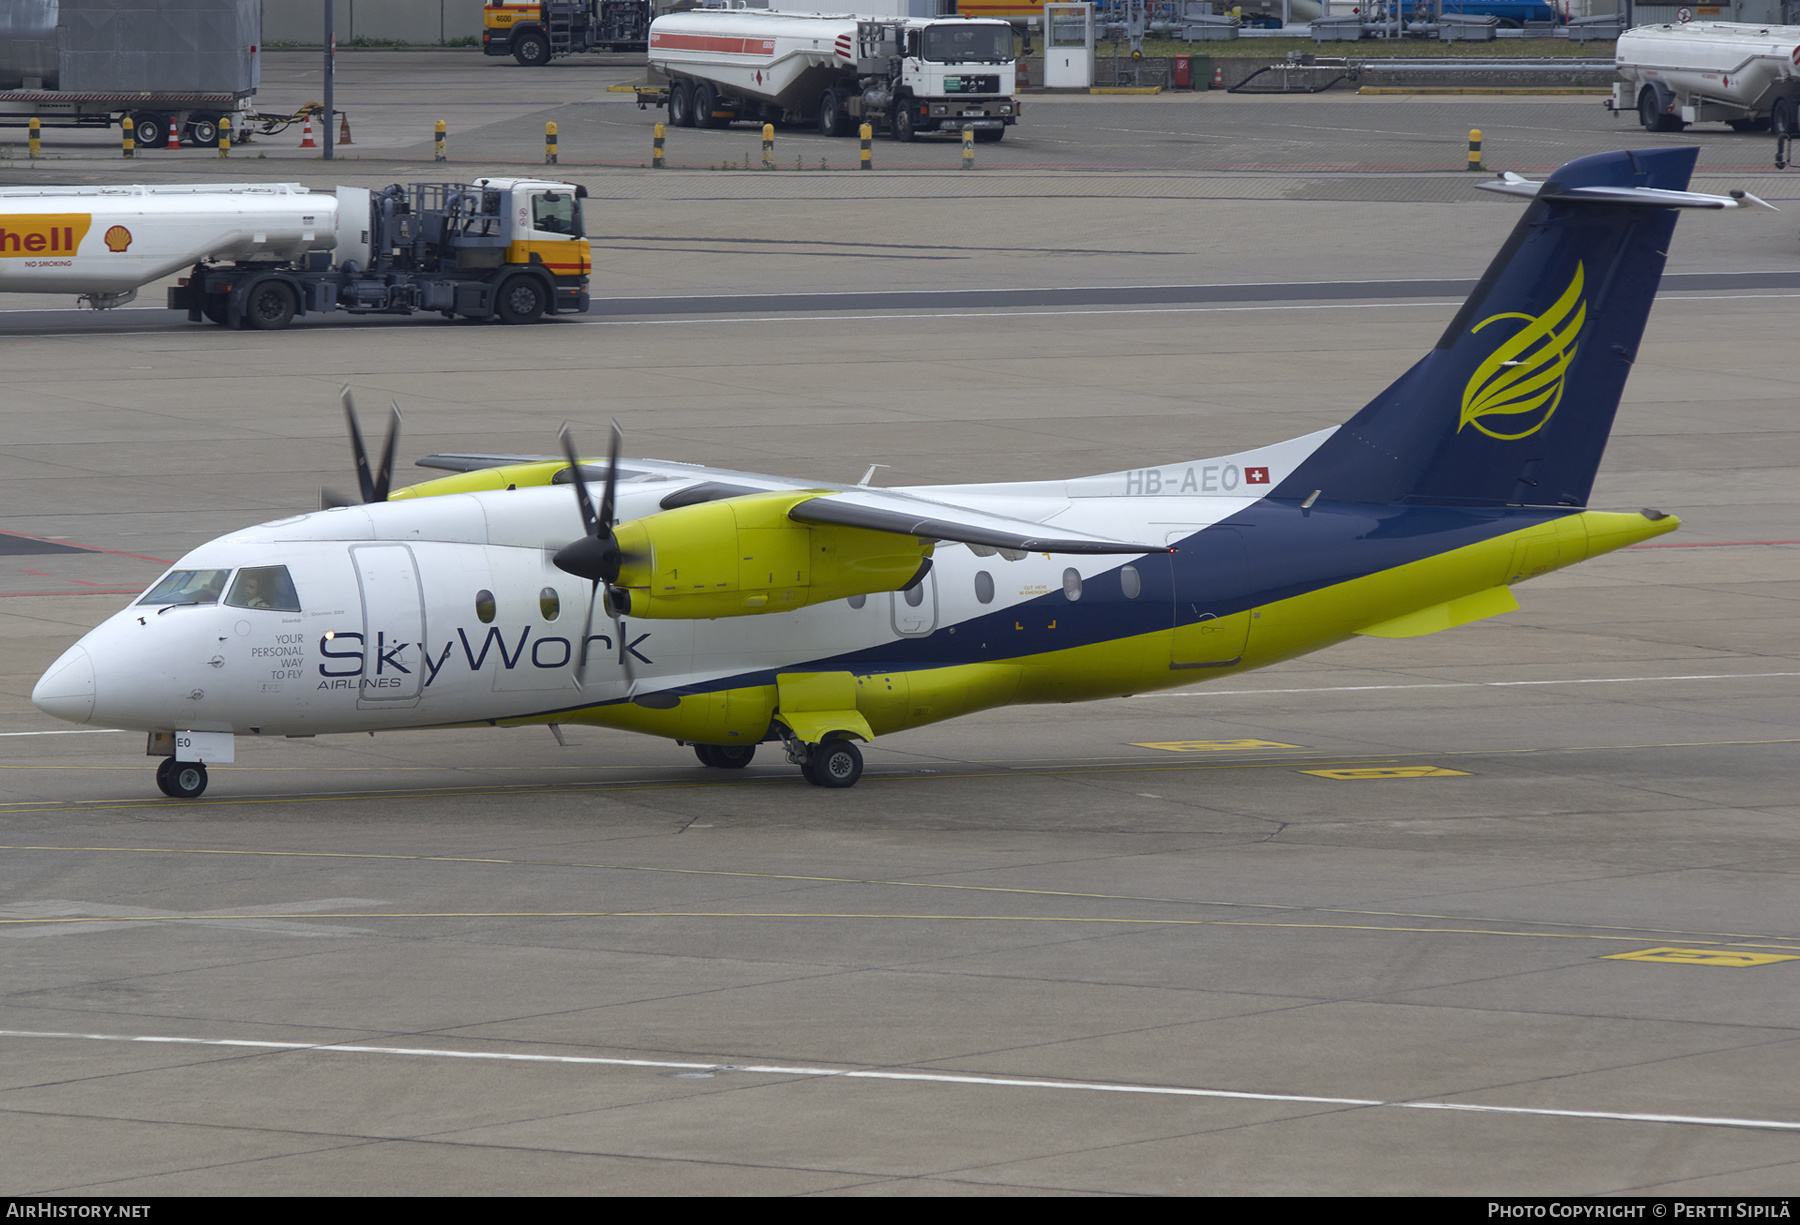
[24, 235]
[118, 238]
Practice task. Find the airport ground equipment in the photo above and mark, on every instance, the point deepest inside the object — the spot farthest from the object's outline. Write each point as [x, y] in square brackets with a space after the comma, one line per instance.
[153, 64]
[713, 67]
[1745, 76]
[534, 34]
[262, 253]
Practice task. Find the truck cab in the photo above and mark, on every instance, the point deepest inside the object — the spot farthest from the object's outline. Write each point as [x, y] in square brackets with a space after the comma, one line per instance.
[953, 75]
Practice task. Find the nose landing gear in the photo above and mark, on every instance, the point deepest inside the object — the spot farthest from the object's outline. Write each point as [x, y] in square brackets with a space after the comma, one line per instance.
[181, 780]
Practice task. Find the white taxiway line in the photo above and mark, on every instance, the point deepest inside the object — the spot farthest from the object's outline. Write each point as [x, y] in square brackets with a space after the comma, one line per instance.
[1582, 680]
[943, 1078]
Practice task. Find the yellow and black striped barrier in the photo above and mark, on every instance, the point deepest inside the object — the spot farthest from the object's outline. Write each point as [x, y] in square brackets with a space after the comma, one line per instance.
[34, 138]
[1475, 149]
[656, 149]
[868, 135]
[768, 146]
[225, 136]
[968, 149]
[439, 153]
[550, 143]
[125, 129]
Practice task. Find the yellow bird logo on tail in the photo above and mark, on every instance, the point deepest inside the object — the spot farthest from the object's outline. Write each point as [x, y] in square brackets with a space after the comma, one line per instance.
[1522, 380]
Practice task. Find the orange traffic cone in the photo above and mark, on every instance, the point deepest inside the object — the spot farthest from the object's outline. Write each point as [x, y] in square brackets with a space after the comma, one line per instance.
[1218, 81]
[174, 134]
[307, 141]
[344, 128]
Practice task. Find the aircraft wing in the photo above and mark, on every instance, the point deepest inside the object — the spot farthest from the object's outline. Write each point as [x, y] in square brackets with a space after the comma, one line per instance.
[909, 516]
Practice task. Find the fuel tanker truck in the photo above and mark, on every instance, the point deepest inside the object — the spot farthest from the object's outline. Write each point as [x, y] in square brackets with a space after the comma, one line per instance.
[1745, 76]
[713, 67]
[258, 254]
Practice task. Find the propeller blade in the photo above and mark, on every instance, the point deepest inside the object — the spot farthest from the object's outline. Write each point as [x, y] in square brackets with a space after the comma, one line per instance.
[588, 518]
[612, 476]
[359, 453]
[587, 632]
[329, 498]
[385, 473]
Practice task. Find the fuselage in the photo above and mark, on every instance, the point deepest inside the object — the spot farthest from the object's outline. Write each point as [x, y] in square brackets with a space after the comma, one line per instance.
[448, 610]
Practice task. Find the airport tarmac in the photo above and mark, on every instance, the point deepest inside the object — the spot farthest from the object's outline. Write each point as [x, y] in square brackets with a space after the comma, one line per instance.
[1380, 920]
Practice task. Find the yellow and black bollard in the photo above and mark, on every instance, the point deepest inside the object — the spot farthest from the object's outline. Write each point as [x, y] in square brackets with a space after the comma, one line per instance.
[656, 149]
[768, 146]
[1475, 149]
[34, 138]
[225, 136]
[968, 148]
[129, 145]
[550, 143]
[868, 134]
[438, 153]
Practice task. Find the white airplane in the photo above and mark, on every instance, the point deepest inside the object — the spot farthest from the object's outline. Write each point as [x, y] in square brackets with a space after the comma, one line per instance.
[726, 610]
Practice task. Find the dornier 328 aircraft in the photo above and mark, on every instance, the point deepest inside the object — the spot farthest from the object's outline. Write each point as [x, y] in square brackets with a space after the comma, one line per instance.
[725, 610]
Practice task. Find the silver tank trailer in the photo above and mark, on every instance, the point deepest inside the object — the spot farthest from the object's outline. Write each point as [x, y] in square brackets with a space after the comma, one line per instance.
[28, 57]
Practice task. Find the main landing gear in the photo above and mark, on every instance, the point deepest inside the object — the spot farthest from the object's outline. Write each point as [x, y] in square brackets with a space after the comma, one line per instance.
[181, 780]
[834, 764]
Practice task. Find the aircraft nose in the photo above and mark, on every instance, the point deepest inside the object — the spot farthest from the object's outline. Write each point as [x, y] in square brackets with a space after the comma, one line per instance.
[67, 689]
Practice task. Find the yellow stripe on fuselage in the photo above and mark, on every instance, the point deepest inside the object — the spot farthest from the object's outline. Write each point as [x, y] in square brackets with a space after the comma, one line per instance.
[1280, 630]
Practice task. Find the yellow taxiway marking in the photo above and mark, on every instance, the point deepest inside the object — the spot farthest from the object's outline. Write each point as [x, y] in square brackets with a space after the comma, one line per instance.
[1355, 772]
[1750, 939]
[1702, 957]
[1211, 746]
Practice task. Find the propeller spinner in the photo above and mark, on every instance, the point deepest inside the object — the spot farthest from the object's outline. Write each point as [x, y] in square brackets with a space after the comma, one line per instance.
[372, 485]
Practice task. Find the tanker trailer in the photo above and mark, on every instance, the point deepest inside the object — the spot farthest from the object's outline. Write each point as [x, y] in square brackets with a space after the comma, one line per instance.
[713, 67]
[259, 254]
[1745, 76]
[104, 243]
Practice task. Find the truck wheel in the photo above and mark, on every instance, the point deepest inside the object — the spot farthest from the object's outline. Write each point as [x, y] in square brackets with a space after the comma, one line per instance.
[270, 305]
[532, 50]
[150, 131]
[706, 102]
[832, 120]
[520, 300]
[1652, 116]
[900, 127]
[681, 105]
[203, 131]
[1785, 117]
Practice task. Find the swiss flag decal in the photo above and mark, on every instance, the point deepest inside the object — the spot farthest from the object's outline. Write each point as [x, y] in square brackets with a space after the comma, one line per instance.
[1256, 476]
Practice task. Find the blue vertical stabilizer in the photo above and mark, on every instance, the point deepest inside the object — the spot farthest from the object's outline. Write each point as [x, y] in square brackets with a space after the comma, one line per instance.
[1514, 405]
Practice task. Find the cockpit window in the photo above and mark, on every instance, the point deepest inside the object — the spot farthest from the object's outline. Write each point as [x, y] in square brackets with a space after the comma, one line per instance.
[556, 212]
[955, 43]
[264, 587]
[188, 587]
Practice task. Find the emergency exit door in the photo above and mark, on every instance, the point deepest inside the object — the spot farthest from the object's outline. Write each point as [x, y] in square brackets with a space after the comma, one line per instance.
[1212, 582]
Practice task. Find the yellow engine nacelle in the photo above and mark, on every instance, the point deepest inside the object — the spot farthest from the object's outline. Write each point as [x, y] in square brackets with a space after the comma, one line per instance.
[743, 556]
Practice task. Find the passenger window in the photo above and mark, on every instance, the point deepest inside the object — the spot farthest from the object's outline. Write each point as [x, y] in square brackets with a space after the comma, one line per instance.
[1072, 583]
[857, 601]
[484, 606]
[188, 587]
[984, 587]
[1130, 582]
[915, 595]
[549, 604]
[264, 587]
